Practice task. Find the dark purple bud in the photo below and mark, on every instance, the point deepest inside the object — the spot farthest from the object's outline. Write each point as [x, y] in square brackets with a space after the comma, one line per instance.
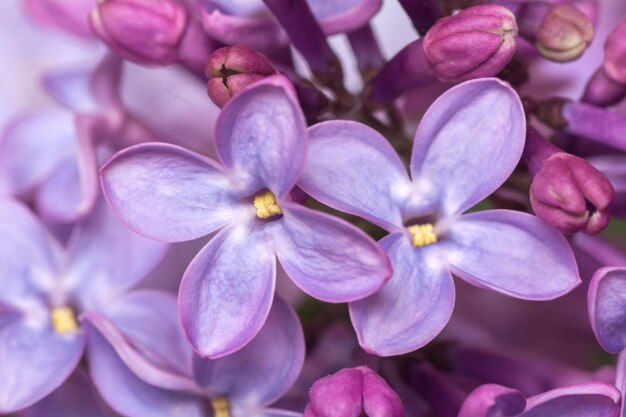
[406, 70]
[233, 68]
[352, 392]
[145, 31]
[560, 32]
[571, 195]
[615, 54]
[602, 90]
[476, 42]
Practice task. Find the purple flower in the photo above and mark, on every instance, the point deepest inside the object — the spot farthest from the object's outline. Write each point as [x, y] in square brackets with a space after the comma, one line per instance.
[47, 288]
[353, 392]
[241, 385]
[466, 146]
[607, 312]
[171, 194]
[251, 23]
[593, 399]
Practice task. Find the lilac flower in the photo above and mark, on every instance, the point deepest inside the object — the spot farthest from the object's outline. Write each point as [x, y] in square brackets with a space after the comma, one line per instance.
[353, 392]
[46, 288]
[239, 385]
[171, 194]
[460, 156]
[606, 300]
[250, 22]
[594, 399]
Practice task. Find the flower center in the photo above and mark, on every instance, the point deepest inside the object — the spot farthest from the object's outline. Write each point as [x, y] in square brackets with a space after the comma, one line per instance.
[266, 205]
[220, 407]
[422, 234]
[63, 320]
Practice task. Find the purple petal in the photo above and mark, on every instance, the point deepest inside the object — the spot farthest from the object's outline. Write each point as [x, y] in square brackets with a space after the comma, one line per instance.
[167, 193]
[32, 146]
[337, 16]
[353, 168]
[491, 400]
[35, 360]
[589, 400]
[105, 256]
[30, 259]
[261, 136]
[71, 89]
[75, 398]
[412, 308]
[329, 258]
[484, 245]
[607, 308]
[72, 190]
[264, 369]
[227, 291]
[129, 395]
[274, 412]
[461, 155]
[143, 329]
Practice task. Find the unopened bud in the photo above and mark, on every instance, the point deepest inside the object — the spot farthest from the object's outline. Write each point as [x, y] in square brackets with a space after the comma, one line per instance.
[353, 392]
[477, 42]
[615, 54]
[571, 195]
[144, 31]
[233, 68]
[564, 33]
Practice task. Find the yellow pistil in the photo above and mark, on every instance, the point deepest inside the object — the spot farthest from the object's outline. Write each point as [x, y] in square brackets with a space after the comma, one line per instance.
[423, 234]
[63, 320]
[266, 205]
[220, 407]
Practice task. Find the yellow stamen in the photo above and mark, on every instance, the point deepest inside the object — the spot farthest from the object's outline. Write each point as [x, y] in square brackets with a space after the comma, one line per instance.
[423, 234]
[266, 205]
[63, 320]
[220, 407]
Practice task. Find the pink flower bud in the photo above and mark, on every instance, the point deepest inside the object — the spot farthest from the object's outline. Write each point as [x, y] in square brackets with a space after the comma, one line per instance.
[564, 33]
[615, 54]
[571, 195]
[477, 42]
[353, 392]
[145, 31]
[233, 68]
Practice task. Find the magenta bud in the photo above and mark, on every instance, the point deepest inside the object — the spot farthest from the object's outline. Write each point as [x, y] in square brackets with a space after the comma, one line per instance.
[564, 33]
[571, 195]
[353, 392]
[615, 54]
[476, 42]
[144, 31]
[233, 68]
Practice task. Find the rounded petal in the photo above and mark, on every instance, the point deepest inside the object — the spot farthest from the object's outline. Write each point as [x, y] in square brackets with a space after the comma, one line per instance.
[32, 146]
[512, 253]
[607, 308]
[329, 258]
[136, 326]
[260, 136]
[468, 143]
[34, 360]
[71, 89]
[105, 256]
[227, 291]
[30, 259]
[491, 400]
[129, 395]
[337, 16]
[353, 168]
[264, 369]
[412, 308]
[84, 400]
[167, 193]
[593, 399]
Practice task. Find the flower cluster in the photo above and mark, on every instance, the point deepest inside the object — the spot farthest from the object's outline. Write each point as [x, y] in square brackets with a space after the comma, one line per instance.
[227, 214]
